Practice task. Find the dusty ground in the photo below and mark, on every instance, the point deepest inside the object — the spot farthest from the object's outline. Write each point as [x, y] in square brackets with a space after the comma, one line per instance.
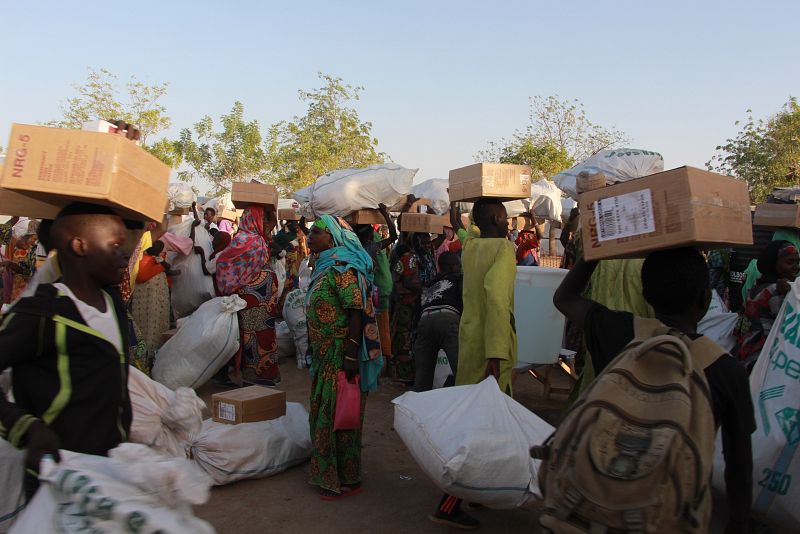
[397, 496]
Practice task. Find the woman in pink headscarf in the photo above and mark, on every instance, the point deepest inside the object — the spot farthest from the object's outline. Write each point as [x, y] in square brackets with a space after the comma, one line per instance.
[243, 270]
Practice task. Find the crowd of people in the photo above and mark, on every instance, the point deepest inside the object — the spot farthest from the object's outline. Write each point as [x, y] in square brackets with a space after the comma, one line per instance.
[88, 293]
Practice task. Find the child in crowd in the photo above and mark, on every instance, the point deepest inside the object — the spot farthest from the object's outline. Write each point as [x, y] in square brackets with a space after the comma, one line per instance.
[209, 214]
[438, 325]
[66, 346]
[487, 333]
[675, 282]
[778, 264]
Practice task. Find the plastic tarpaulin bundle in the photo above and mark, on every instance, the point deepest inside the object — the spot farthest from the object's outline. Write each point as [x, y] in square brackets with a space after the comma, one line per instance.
[12, 496]
[284, 339]
[164, 420]
[344, 191]
[203, 344]
[546, 200]
[253, 450]
[180, 196]
[775, 390]
[474, 442]
[718, 323]
[434, 190]
[192, 287]
[133, 490]
[618, 165]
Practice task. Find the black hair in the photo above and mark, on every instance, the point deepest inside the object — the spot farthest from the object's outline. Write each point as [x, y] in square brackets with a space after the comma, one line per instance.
[484, 211]
[768, 260]
[43, 233]
[212, 210]
[448, 259]
[89, 208]
[674, 280]
[156, 249]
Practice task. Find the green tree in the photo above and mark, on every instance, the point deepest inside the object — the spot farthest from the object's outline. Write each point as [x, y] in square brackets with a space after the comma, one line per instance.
[99, 97]
[234, 154]
[329, 136]
[558, 135]
[765, 153]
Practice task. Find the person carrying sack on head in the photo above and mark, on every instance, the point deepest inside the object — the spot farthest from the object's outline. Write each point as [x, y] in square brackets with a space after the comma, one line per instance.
[635, 452]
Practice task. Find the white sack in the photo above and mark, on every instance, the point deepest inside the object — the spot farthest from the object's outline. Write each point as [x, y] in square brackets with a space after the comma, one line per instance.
[567, 205]
[344, 191]
[253, 450]
[718, 323]
[192, 287]
[514, 208]
[294, 312]
[473, 442]
[442, 371]
[546, 200]
[434, 190]
[775, 390]
[12, 496]
[164, 420]
[618, 165]
[278, 266]
[203, 344]
[219, 204]
[283, 337]
[134, 490]
[180, 196]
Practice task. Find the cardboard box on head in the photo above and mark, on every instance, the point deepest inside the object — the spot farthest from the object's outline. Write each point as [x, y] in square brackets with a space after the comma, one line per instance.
[245, 194]
[58, 166]
[680, 207]
[496, 180]
[367, 216]
[777, 215]
[420, 218]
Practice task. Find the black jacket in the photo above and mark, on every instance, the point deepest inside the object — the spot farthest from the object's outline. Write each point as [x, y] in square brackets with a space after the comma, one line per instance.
[81, 393]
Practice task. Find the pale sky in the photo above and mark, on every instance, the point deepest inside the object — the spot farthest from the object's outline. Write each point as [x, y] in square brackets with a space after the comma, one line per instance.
[441, 78]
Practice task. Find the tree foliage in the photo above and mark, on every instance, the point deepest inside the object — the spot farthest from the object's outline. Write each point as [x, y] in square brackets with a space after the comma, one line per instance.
[233, 154]
[100, 97]
[765, 153]
[558, 135]
[329, 136]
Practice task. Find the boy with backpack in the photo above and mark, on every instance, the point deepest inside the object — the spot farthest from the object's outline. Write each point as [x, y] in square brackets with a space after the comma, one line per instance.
[66, 345]
[635, 452]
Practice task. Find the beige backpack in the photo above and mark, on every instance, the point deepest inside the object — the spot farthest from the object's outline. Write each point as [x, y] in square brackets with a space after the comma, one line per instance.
[634, 453]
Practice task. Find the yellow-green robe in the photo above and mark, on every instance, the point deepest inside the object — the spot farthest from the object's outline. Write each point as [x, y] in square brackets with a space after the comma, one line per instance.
[487, 323]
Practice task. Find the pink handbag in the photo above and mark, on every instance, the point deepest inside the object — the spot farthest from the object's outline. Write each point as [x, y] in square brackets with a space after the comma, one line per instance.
[348, 403]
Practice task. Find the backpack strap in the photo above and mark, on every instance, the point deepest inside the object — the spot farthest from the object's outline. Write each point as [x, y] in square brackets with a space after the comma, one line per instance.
[704, 350]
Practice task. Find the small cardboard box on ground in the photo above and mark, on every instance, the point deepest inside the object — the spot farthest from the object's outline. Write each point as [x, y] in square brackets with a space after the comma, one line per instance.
[497, 180]
[367, 216]
[248, 405]
[680, 207]
[245, 194]
[777, 215]
[59, 166]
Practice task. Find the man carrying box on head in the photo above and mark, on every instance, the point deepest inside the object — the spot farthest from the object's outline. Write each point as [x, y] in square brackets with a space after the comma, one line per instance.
[675, 282]
[66, 346]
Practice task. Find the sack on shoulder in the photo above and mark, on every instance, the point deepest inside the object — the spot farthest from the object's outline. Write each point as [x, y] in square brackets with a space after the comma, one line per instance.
[634, 454]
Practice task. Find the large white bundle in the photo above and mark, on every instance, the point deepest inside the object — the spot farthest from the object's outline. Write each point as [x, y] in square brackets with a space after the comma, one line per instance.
[219, 204]
[284, 339]
[344, 191]
[253, 450]
[775, 390]
[192, 287]
[204, 343]
[294, 312]
[12, 496]
[567, 205]
[719, 324]
[515, 208]
[618, 165]
[134, 490]
[546, 200]
[164, 420]
[473, 442]
[434, 190]
[180, 195]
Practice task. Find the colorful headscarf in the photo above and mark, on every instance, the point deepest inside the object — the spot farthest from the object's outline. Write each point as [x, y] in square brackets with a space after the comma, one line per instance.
[347, 253]
[248, 253]
[768, 259]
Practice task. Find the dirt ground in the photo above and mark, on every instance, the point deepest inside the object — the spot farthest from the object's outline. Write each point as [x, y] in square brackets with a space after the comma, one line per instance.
[397, 496]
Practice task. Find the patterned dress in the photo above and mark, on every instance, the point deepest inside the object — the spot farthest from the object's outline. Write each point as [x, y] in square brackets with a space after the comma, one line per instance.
[755, 322]
[336, 458]
[258, 352]
[405, 315]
